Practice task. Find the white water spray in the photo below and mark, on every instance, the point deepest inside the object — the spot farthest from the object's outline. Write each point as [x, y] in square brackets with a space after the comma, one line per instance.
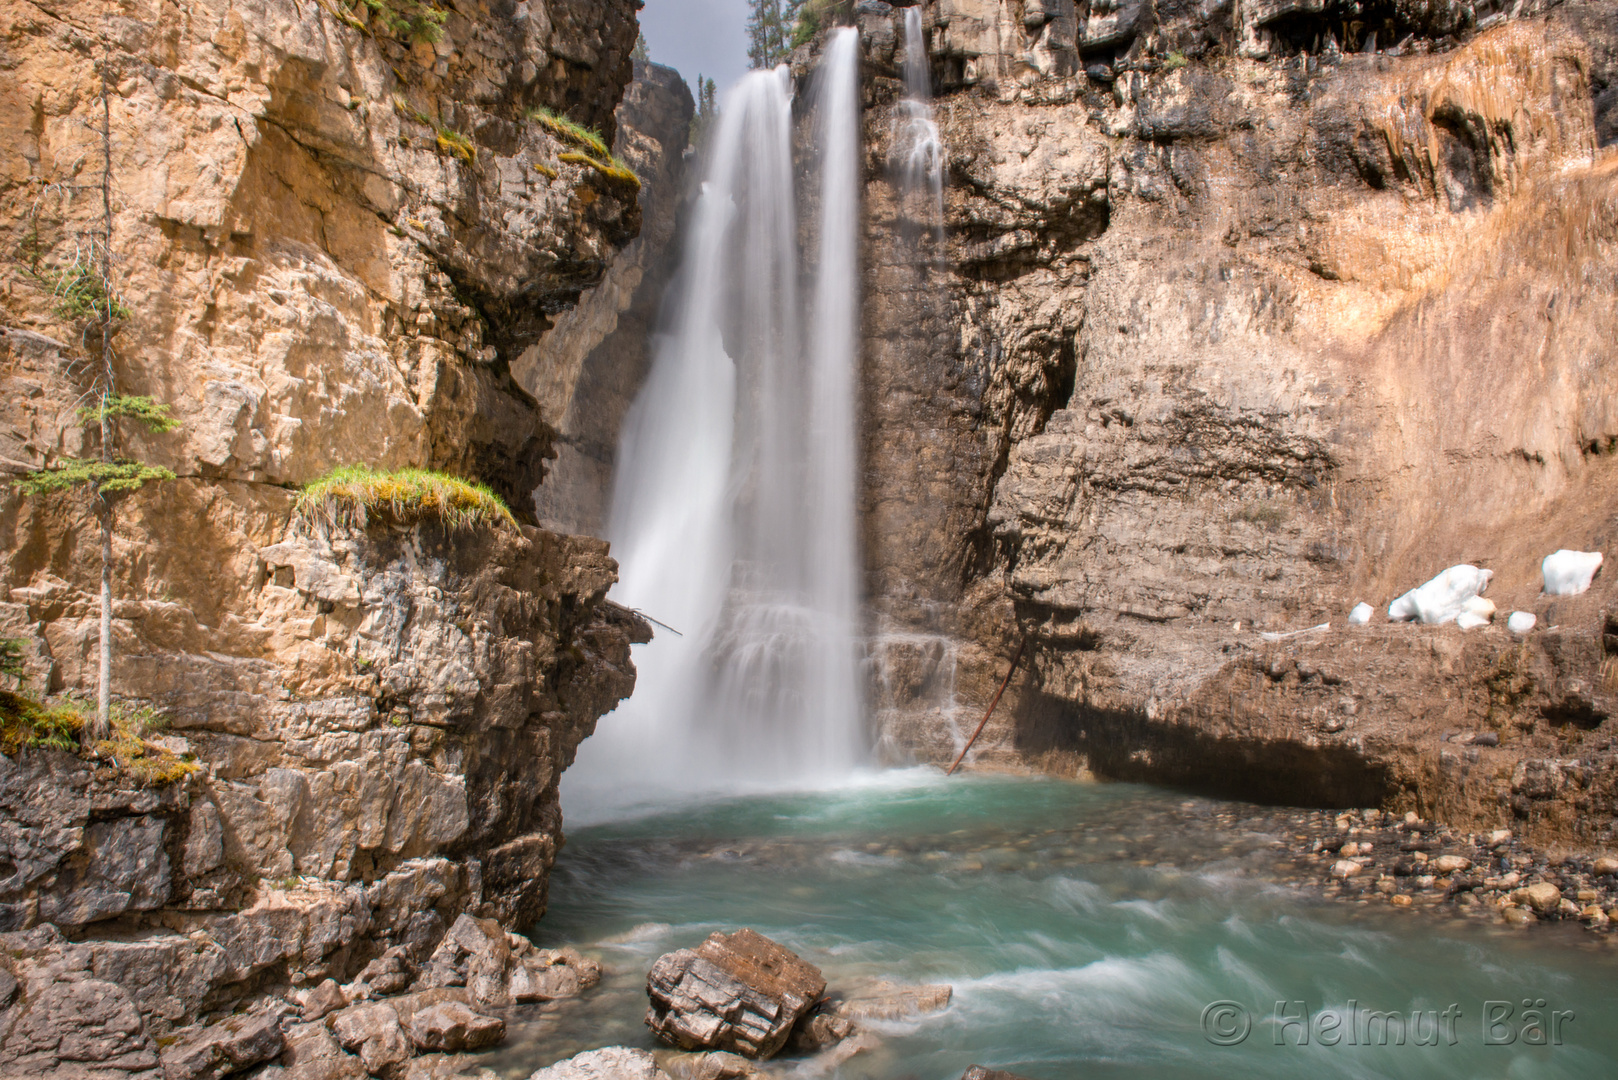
[918, 150]
[733, 508]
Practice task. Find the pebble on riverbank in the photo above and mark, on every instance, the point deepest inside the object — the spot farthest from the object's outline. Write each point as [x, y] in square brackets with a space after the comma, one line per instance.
[1360, 854]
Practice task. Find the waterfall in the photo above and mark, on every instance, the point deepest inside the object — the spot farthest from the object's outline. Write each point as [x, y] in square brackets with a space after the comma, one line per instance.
[733, 506]
[918, 151]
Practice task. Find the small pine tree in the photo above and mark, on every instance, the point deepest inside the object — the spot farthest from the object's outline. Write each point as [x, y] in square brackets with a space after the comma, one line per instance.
[641, 52]
[96, 307]
[106, 480]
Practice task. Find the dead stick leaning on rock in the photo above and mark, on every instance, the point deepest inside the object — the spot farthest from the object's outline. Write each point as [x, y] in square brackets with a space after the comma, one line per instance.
[1017, 656]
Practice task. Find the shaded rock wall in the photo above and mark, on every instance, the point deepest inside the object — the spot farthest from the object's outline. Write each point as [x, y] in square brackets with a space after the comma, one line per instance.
[333, 245]
[1233, 331]
[599, 353]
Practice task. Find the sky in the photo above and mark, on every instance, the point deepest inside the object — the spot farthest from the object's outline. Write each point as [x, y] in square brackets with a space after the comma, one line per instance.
[707, 37]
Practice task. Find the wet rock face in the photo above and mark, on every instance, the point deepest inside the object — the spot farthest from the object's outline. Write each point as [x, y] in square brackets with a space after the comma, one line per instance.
[740, 993]
[1217, 344]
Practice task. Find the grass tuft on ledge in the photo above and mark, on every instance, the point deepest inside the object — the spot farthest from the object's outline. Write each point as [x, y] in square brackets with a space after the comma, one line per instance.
[571, 131]
[29, 724]
[612, 169]
[26, 723]
[348, 495]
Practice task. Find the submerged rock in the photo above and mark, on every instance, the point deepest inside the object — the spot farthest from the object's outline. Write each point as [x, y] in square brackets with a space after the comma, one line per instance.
[816, 1032]
[717, 1065]
[741, 992]
[890, 1001]
[978, 1072]
[608, 1063]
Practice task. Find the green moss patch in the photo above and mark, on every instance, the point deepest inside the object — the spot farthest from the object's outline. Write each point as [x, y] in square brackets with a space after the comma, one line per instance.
[29, 724]
[352, 493]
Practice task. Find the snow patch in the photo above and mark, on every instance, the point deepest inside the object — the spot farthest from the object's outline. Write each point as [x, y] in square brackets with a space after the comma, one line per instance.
[1442, 599]
[1475, 612]
[1568, 573]
[1360, 615]
[1521, 622]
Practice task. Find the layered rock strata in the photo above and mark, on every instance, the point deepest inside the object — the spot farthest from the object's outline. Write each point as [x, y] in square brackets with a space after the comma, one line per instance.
[333, 234]
[1228, 333]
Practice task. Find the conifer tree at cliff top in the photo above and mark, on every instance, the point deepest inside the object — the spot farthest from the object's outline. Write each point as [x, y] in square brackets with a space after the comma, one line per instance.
[769, 30]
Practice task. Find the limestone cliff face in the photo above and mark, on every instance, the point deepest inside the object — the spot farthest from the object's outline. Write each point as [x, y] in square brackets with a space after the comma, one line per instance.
[333, 243]
[1242, 322]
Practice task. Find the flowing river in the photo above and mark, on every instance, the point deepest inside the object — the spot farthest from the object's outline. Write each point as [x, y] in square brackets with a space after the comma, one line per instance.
[1087, 929]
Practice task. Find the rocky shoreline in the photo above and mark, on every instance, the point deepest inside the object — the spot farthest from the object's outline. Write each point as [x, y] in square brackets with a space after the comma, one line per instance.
[1408, 862]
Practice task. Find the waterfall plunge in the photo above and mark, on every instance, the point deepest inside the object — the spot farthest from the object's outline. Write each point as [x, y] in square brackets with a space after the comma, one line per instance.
[733, 508]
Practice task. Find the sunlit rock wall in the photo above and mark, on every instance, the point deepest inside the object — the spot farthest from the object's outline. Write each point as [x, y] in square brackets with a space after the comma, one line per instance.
[333, 244]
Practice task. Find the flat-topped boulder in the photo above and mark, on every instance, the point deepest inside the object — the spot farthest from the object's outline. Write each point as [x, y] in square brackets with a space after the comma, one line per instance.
[740, 993]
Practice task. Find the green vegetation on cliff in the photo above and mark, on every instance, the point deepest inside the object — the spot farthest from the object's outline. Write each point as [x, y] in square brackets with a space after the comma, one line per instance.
[595, 151]
[26, 723]
[348, 494]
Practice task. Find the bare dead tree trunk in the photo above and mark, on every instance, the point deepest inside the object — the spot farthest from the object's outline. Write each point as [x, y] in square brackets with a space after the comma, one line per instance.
[101, 728]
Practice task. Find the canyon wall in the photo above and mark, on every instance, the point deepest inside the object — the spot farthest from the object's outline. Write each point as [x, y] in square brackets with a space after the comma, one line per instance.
[335, 239]
[1248, 313]
[600, 352]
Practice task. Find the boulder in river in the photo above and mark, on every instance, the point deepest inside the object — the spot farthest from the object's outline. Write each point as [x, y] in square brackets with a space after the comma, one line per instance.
[608, 1063]
[978, 1072]
[740, 992]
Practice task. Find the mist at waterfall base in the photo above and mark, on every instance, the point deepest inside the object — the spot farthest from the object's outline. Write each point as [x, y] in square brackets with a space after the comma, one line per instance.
[1085, 929]
[733, 506]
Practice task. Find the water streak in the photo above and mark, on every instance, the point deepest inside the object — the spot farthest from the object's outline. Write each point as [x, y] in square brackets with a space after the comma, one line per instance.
[733, 507]
[918, 149]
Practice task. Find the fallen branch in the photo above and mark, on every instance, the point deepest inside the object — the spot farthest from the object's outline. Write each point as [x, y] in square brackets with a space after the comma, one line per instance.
[648, 618]
[1003, 684]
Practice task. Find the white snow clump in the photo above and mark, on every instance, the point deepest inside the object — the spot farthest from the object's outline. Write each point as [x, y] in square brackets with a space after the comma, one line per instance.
[1360, 615]
[1568, 573]
[1475, 612]
[1442, 599]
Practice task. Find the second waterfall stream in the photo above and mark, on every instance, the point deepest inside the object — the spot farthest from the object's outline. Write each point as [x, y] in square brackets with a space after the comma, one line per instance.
[733, 513]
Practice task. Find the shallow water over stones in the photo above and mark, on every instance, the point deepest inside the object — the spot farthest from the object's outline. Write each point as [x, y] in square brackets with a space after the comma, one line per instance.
[1082, 926]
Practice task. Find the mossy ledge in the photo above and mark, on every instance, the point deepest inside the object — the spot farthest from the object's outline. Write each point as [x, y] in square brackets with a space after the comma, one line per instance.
[29, 724]
[351, 494]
